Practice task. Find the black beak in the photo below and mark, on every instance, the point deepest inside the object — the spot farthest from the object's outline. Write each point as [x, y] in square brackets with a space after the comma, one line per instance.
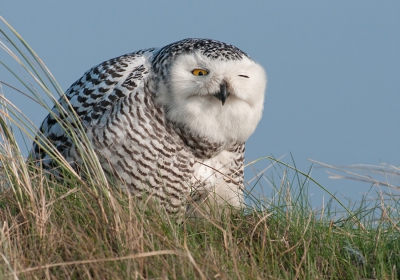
[222, 94]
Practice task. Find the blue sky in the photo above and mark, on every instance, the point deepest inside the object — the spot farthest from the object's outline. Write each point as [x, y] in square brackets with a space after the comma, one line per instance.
[333, 67]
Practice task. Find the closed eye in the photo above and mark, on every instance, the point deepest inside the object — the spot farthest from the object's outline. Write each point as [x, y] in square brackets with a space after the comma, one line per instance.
[244, 76]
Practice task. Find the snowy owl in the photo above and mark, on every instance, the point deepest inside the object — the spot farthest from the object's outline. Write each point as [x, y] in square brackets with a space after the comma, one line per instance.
[169, 122]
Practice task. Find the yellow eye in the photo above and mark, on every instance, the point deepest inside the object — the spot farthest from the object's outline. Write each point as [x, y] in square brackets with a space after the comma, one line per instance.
[199, 72]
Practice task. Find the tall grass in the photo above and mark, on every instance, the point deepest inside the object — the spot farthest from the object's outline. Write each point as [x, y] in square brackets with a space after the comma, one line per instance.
[87, 229]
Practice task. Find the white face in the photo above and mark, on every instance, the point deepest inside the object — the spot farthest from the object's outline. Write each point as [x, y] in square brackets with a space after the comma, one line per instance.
[190, 98]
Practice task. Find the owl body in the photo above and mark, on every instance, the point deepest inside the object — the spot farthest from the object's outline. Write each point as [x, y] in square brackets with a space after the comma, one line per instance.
[168, 122]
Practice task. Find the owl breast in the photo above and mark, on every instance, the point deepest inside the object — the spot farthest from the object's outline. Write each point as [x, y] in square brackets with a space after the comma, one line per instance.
[138, 146]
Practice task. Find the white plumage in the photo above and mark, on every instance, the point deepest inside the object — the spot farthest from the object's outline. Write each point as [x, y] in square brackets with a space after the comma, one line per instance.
[170, 122]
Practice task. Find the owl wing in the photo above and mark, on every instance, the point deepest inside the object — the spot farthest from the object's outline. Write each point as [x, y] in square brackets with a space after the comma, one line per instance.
[92, 97]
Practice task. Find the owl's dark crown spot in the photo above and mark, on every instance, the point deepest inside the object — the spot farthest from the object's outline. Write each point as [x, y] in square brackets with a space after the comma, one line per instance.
[208, 47]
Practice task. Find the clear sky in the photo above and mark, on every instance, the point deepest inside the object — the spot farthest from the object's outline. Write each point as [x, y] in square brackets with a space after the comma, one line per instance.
[333, 67]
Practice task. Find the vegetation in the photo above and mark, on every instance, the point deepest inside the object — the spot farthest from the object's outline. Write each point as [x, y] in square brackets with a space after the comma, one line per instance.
[88, 229]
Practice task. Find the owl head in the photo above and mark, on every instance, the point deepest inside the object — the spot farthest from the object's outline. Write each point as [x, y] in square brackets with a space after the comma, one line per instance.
[211, 88]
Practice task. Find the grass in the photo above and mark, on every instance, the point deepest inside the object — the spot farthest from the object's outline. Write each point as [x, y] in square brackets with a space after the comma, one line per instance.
[87, 229]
